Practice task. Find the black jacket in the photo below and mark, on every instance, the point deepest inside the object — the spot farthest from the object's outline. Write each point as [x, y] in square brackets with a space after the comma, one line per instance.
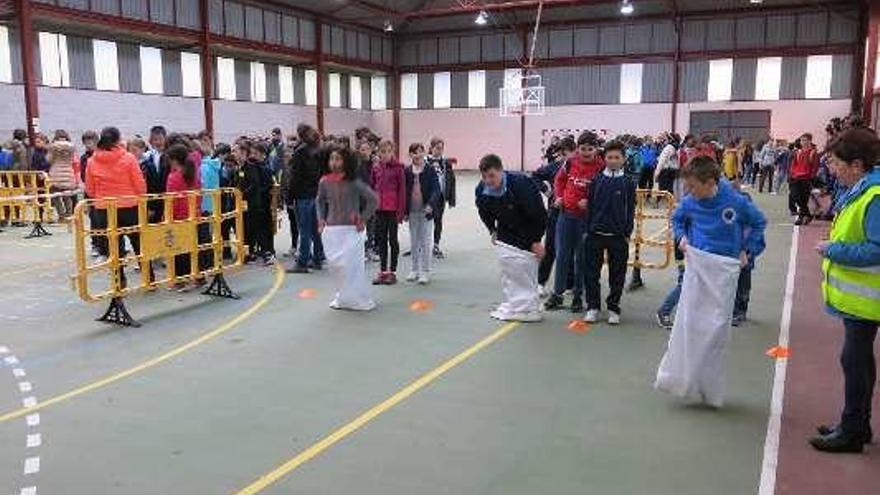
[517, 217]
[255, 184]
[306, 168]
[156, 179]
[430, 187]
[444, 170]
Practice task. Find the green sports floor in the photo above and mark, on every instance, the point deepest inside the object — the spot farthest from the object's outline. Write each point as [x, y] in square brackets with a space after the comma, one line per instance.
[210, 396]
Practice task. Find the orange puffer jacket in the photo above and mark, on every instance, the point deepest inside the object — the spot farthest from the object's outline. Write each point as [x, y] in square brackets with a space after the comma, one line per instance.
[114, 173]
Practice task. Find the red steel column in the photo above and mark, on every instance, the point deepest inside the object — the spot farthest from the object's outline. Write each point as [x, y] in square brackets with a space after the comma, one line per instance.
[395, 108]
[26, 35]
[676, 75]
[319, 83]
[870, 59]
[207, 67]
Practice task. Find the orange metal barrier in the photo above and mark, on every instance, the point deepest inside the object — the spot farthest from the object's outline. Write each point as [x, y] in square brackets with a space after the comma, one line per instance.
[24, 198]
[194, 244]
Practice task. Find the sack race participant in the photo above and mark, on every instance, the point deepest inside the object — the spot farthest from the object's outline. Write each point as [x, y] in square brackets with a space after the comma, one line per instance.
[719, 229]
[512, 208]
[345, 204]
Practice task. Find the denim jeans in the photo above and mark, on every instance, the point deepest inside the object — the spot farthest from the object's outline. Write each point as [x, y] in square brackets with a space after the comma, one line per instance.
[859, 373]
[310, 247]
[671, 300]
[570, 232]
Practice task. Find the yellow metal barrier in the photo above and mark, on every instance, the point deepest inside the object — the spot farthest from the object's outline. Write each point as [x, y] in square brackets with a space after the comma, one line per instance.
[652, 230]
[24, 198]
[194, 244]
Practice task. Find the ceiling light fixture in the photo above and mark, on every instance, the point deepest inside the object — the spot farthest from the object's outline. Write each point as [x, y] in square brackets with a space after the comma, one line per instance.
[756, 2]
[626, 8]
[482, 18]
[388, 26]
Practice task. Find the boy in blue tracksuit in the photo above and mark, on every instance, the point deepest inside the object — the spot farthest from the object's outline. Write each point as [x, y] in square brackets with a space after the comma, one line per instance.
[610, 221]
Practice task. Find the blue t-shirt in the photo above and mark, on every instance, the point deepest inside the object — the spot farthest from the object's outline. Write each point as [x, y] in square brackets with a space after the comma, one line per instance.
[725, 224]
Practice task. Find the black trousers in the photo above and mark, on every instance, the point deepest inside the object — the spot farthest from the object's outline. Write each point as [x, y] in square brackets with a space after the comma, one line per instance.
[258, 232]
[386, 237]
[743, 290]
[438, 222]
[799, 192]
[125, 217]
[545, 268]
[646, 179]
[766, 176]
[666, 180]
[617, 249]
[859, 374]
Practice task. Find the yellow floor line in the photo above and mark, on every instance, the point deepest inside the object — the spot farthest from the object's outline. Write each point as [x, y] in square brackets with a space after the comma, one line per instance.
[279, 279]
[306, 455]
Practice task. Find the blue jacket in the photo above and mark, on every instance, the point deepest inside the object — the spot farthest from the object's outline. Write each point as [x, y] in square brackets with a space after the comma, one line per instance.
[725, 224]
[866, 253]
[210, 170]
[649, 156]
[544, 177]
[430, 186]
[612, 205]
[515, 214]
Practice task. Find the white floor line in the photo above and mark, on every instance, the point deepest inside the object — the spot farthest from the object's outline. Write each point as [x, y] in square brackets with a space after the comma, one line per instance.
[774, 423]
[34, 439]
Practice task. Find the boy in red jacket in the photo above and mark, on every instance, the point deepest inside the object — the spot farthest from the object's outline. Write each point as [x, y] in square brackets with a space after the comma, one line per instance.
[802, 173]
[571, 187]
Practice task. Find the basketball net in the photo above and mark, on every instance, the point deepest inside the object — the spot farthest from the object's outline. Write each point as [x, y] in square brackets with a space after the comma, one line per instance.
[523, 92]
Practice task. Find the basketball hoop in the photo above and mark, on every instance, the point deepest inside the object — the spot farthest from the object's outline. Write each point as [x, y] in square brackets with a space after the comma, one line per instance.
[523, 95]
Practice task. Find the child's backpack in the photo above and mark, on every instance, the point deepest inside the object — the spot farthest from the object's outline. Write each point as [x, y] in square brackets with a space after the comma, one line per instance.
[6, 160]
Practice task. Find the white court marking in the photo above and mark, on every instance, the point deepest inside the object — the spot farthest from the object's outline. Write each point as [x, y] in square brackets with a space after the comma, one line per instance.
[34, 438]
[774, 423]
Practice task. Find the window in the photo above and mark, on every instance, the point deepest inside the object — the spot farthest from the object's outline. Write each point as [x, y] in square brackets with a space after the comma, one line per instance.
[720, 79]
[311, 87]
[5, 56]
[285, 84]
[106, 65]
[768, 77]
[631, 83]
[409, 91]
[477, 88]
[258, 82]
[818, 84]
[378, 93]
[335, 87]
[191, 74]
[53, 59]
[226, 78]
[151, 70]
[354, 93]
[442, 90]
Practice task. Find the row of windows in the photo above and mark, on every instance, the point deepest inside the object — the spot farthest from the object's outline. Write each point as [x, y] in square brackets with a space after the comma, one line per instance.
[55, 71]
[768, 79]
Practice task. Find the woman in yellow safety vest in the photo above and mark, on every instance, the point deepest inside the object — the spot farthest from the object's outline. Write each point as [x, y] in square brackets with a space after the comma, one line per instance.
[851, 284]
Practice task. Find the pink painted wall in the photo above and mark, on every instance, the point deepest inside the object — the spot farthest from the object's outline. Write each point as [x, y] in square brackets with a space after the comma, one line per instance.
[789, 118]
[469, 133]
[236, 118]
[344, 121]
[383, 123]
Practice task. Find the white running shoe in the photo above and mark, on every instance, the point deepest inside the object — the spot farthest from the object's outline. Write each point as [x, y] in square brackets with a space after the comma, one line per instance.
[613, 318]
[543, 292]
[424, 279]
[592, 316]
[412, 277]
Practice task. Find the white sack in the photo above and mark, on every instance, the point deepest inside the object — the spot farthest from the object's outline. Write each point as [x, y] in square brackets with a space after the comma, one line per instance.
[519, 285]
[344, 249]
[695, 364]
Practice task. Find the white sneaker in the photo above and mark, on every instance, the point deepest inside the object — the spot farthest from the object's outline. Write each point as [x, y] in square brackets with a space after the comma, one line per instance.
[592, 316]
[613, 318]
[412, 277]
[424, 279]
[542, 291]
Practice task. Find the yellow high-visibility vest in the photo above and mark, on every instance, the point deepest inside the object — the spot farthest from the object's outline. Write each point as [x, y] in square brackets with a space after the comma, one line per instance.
[853, 290]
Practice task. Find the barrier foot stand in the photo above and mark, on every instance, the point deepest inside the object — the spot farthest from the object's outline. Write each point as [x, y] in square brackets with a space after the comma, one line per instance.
[118, 314]
[38, 231]
[220, 288]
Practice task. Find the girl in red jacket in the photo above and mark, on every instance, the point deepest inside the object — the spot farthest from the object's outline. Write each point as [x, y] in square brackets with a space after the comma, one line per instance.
[389, 182]
[183, 177]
